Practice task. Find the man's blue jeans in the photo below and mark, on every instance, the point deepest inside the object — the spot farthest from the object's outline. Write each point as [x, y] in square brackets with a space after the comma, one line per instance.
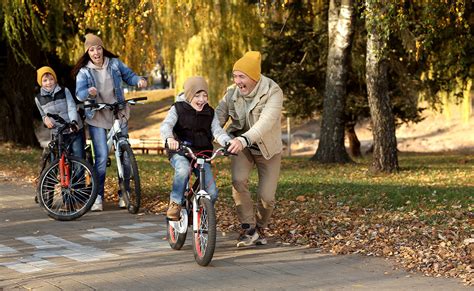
[101, 153]
[181, 167]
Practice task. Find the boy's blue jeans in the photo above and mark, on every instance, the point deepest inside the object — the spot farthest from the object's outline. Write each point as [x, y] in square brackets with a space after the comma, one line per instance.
[181, 177]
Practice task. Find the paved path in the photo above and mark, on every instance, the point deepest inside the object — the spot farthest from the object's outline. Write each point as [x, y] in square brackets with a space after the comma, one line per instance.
[114, 250]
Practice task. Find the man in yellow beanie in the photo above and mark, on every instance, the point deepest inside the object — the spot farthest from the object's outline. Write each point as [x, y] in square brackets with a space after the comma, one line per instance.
[253, 105]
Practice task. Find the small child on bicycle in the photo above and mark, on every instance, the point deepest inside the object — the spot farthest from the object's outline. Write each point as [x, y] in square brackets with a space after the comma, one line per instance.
[54, 99]
[192, 121]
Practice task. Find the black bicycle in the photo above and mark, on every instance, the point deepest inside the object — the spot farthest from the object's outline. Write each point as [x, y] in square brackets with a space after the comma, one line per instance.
[67, 185]
[197, 212]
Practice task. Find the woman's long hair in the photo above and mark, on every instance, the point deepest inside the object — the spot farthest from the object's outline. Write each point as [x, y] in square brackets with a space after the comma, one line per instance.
[82, 62]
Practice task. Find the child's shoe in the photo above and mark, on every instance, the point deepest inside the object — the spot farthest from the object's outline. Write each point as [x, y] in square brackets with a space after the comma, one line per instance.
[174, 211]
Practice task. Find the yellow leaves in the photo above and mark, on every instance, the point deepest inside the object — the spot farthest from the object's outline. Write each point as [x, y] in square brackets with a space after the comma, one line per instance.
[418, 49]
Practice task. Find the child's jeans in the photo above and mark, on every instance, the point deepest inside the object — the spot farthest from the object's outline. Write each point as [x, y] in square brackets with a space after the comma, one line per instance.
[77, 145]
[181, 177]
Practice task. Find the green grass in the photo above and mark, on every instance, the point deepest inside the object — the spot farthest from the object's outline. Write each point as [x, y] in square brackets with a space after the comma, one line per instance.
[429, 181]
[425, 180]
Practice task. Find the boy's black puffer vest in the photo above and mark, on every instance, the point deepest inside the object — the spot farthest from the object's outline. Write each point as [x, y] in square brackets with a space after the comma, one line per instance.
[194, 126]
[54, 104]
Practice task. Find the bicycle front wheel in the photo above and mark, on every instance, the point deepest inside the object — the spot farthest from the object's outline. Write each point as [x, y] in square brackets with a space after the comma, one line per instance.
[130, 183]
[73, 197]
[204, 238]
[176, 230]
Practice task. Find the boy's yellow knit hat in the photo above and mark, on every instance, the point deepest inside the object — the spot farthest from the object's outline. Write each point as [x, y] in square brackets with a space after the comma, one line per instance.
[193, 85]
[249, 64]
[92, 39]
[45, 70]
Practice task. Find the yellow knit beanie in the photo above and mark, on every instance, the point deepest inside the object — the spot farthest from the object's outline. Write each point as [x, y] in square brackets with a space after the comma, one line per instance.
[193, 85]
[249, 64]
[92, 39]
[45, 70]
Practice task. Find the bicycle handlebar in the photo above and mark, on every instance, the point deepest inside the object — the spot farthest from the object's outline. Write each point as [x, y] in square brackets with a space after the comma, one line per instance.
[56, 117]
[90, 103]
[222, 151]
[64, 125]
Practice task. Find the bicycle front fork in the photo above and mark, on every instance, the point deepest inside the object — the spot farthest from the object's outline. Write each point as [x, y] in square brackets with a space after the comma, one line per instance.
[199, 195]
[64, 172]
[118, 160]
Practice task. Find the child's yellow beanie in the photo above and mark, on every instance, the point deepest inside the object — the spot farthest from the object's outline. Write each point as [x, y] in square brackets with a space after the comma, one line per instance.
[193, 85]
[249, 64]
[45, 70]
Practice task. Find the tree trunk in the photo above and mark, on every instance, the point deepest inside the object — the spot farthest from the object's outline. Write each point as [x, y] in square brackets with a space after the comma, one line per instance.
[385, 157]
[17, 107]
[331, 147]
[354, 143]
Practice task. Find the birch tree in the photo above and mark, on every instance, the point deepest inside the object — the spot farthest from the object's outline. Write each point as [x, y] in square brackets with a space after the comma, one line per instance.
[331, 147]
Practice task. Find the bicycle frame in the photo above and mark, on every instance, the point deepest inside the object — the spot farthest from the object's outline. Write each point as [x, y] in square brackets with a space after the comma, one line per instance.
[64, 170]
[202, 193]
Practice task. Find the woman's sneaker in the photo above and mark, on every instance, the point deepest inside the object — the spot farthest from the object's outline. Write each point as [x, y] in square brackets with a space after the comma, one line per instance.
[122, 204]
[97, 206]
[248, 238]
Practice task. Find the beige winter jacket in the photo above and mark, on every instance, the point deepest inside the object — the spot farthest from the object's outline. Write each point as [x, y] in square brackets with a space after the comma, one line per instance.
[263, 116]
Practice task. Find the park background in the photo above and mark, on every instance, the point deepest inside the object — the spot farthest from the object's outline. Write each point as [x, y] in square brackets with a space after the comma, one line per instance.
[378, 94]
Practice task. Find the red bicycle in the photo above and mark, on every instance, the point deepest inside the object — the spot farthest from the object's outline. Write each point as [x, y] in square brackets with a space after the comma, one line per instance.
[67, 186]
[197, 212]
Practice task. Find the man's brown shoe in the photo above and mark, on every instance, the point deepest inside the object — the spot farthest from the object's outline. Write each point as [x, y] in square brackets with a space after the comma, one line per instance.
[174, 211]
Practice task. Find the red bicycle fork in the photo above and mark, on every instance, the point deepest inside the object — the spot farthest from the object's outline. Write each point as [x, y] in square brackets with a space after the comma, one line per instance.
[64, 172]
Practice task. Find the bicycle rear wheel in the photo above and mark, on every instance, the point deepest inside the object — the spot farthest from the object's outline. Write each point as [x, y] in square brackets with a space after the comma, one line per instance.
[176, 231]
[204, 239]
[67, 202]
[130, 183]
